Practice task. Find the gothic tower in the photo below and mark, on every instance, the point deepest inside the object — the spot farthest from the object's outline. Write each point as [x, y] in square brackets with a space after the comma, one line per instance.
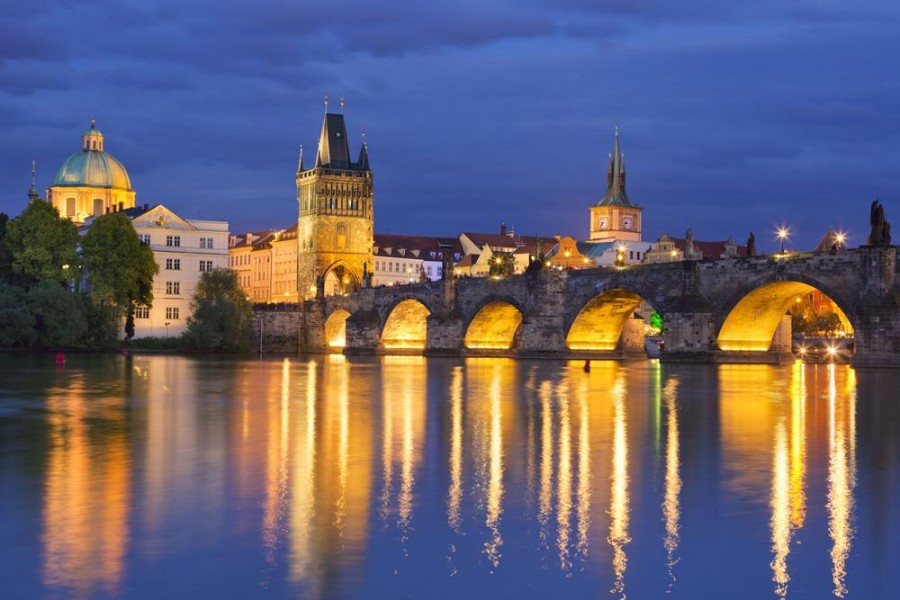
[334, 228]
[615, 216]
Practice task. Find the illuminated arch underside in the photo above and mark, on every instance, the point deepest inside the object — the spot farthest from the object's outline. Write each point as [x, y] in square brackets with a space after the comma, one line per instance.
[406, 326]
[336, 329]
[494, 327]
[751, 324]
[599, 324]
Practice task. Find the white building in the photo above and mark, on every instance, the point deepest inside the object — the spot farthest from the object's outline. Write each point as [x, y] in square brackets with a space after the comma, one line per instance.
[183, 249]
[402, 259]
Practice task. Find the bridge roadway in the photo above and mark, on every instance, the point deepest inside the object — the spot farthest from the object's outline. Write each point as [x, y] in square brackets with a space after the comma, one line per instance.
[717, 310]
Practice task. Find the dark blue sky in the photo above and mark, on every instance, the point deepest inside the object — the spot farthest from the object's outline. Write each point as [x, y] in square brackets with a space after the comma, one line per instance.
[734, 116]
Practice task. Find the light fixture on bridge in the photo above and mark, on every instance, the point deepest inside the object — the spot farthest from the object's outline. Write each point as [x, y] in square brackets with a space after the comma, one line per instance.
[782, 233]
[840, 239]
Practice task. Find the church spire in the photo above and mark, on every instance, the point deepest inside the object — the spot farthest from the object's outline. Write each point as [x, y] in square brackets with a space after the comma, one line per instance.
[615, 177]
[363, 163]
[300, 161]
[32, 192]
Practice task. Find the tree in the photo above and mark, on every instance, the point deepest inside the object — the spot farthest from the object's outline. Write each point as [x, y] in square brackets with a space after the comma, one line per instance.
[59, 318]
[120, 269]
[17, 327]
[41, 245]
[502, 264]
[221, 315]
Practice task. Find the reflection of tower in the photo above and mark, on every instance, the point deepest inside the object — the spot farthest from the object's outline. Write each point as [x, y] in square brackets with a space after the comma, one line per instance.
[334, 232]
[615, 216]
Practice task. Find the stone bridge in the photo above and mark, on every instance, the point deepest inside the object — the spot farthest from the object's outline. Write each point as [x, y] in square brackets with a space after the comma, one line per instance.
[721, 310]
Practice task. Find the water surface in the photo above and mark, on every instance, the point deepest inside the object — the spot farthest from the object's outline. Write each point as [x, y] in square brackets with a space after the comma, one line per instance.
[160, 476]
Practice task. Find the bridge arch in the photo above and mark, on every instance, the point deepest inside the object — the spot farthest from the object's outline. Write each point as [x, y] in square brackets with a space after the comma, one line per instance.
[406, 324]
[601, 319]
[495, 325]
[336, 329]
[751, 316]
[340, 279]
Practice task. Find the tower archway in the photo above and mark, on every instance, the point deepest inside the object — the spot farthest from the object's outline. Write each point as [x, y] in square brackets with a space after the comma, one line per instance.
[340, 279]
[406, 326]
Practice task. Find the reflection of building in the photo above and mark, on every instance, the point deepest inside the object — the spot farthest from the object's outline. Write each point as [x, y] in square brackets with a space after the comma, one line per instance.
[615, 216]
[183, 249]
[334, 230]
[91, 182]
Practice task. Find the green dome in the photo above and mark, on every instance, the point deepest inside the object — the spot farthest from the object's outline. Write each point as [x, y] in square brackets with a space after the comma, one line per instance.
[92, 168]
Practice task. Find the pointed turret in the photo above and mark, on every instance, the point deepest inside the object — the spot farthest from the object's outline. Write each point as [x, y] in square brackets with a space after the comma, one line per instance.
[615, 178]
[300, 161]
[363, 163]
[334, 150]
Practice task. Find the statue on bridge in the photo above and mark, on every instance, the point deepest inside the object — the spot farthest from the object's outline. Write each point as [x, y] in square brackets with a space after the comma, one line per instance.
[881, 230]
[751, 245]
[366, 276]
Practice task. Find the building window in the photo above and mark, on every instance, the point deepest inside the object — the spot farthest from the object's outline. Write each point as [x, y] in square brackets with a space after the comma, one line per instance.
[173, 288]
[141, 311]
[206, 265]
[206, 243]
[172, 313]
[144, 238]
[173, 264]
[173, 241]
[70, 207]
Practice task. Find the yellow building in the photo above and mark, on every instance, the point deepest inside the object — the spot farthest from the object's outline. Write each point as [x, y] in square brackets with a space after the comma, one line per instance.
[615, 216]
[335, 223]
[284, 266]
[91, 182]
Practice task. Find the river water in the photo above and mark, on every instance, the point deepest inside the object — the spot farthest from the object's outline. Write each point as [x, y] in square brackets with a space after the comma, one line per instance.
[175, 477]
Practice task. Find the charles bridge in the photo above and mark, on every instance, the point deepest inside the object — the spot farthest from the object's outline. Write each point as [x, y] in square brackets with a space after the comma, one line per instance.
[714, 310]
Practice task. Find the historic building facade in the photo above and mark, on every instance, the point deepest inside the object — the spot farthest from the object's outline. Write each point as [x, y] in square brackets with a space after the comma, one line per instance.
[335, 222]
[615, 216]
[91, 182]
[184, 249]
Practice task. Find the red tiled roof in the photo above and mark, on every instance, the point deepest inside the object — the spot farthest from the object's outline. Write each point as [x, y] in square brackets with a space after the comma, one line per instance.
[709, 249]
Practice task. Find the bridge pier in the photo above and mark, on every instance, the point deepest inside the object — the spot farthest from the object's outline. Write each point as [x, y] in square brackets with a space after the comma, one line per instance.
[877, 322]
[542, 332]
[689, 337]
[444, 335]
[631, 342]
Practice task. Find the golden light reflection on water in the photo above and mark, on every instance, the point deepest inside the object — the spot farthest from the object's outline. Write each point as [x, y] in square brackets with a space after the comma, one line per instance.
[454, 499]
[304, 478]
[564, 490]
[495, 477]
[402, 438]
[841, 478]
[672, 494]
[87, 492]
[781, 511]
[619, 497]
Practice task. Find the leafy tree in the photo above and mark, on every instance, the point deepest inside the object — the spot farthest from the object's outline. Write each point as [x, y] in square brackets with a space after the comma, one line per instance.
[120, 268]
[102, 325]
[502, 264]
[5, 258]
[221, 315]
[41, 245]
[17, 327]
[59, 318]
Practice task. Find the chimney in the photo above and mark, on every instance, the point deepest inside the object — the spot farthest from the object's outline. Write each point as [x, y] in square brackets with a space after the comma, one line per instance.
[502, 228]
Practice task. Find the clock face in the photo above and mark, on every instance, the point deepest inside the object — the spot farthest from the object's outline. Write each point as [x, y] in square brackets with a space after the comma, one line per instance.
[604, 223]
[626, 223]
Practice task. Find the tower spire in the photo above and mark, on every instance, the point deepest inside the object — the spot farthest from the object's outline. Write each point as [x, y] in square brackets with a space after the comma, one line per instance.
[342, 105]
[32, 192]
[326, 104]
[300, 162]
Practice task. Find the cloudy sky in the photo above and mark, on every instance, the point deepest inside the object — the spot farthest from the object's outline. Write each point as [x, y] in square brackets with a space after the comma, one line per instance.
[734, 116]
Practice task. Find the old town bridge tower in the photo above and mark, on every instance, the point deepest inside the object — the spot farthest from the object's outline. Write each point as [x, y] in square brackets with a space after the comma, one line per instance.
[335, 224]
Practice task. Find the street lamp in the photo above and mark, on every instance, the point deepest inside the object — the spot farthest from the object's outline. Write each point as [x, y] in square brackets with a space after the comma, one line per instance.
[167, 330]
[782, 235]
[567, 253]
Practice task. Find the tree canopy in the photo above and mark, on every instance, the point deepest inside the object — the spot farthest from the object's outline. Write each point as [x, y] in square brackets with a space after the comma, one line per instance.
[222, 316]
[39, 245]
[120, 268]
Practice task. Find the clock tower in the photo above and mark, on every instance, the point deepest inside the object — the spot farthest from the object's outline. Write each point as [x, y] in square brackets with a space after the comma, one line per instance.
[615, 216]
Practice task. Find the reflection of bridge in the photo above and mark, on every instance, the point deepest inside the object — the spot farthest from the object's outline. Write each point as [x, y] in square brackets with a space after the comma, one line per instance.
[714, 310]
